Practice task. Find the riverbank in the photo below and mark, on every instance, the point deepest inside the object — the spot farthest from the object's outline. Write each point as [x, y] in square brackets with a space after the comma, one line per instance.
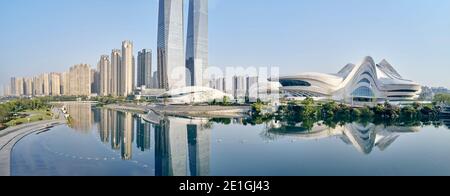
[30, 116]
[10, 136]
[186, 110]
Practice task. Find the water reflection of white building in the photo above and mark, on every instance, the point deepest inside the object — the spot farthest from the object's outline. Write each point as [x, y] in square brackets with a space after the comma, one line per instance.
[363, 137]
[179, 142]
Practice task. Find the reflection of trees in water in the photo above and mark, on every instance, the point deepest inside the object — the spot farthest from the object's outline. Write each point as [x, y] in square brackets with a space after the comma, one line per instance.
[364, 136]
[363, 133]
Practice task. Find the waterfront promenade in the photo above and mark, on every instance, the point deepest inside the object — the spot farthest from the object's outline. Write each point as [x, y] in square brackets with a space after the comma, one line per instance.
[10, 136]
[186, 110]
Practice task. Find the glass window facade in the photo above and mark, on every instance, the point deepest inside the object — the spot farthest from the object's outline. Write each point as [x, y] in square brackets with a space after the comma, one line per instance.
[286, 83]
[365, 80]
[403, 91]
[363, 92]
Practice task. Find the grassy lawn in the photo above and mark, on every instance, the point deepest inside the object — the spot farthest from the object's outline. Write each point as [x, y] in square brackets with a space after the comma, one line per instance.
[30, 116]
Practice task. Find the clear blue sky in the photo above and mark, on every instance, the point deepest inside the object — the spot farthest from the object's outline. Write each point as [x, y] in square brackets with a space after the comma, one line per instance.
[296, 35]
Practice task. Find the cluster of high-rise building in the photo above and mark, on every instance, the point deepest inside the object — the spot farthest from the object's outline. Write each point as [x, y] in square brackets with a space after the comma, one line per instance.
[245, 88]
[116, 75]
[76, 82]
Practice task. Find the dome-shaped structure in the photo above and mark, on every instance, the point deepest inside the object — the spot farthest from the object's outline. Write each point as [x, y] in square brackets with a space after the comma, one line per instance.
[194, 94]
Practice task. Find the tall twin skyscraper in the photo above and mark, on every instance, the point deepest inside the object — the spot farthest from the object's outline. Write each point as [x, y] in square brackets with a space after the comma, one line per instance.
[197, 43]
[173, 61]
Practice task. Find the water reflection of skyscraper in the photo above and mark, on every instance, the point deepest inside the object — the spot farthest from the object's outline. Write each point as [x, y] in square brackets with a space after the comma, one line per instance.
[126, 128]
[199, 150]
[115, 133]
[176, 139]
[182, 146]
[81, 115]
[363, 137]
[143, 139]
[104, 125]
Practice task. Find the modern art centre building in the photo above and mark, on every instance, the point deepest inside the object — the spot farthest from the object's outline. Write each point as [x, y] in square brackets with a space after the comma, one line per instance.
[364, 83]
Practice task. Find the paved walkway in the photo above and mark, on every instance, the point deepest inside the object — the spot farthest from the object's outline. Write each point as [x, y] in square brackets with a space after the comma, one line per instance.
[10, 136]
[186, 110]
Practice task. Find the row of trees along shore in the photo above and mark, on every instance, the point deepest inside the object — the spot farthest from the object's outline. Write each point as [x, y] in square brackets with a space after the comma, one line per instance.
[11, 109]
[332, 113]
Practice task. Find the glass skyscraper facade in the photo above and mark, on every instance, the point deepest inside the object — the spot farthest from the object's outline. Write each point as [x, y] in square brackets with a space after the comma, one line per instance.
[197, 43]
[170, 50]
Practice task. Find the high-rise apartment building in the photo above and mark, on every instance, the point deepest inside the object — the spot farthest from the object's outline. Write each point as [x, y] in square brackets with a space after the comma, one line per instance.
[116, 59]
[197, 43]
[80, 80]
[104, 66]
[37, 86]
[239, 87]
[19, 87]
[144, 68]
[45, 84]
[170, 49]
[13, 86]
[95, 81]
[55, 84]
[7, 90]
[28, 86]
[126, 73]
[65, 90]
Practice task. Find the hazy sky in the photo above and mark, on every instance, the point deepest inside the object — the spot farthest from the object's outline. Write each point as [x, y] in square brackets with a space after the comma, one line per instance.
[296, 35]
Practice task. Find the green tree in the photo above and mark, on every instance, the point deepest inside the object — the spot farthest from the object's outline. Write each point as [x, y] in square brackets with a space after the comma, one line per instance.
[226, 100]
[257, 108]
[427, 110]
[366, 112]
[416, 105]
[442, 98]
[408, 112]
[308, 101]
[378, 110]
[307, 109]
[329, 109]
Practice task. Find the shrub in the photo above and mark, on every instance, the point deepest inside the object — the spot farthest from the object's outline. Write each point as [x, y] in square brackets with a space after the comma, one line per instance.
[408, 112]
[366, 112]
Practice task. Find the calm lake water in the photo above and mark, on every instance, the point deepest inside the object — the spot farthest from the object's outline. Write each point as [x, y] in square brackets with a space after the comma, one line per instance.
[105, 142]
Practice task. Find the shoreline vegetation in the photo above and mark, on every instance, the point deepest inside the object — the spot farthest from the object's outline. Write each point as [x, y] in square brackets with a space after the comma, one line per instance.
[306, 112]
[21, 111]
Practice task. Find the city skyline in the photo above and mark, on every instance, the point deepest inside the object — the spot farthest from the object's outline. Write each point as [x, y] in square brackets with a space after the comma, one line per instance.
[427, 35]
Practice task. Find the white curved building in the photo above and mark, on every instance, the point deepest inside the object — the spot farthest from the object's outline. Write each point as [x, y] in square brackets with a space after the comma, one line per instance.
[194, 94]
[364, 83]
